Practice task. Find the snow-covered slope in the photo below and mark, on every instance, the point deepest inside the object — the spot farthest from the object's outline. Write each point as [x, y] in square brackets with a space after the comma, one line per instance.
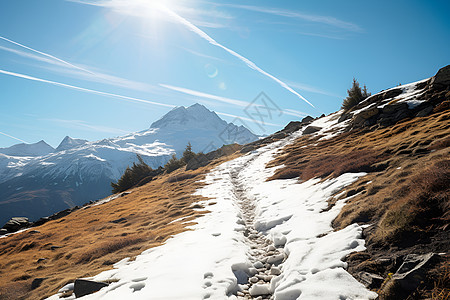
[37, 149]
[38, 186]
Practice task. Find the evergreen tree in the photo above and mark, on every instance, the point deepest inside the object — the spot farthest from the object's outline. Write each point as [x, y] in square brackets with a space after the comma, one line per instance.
[188, 154]
[133, 176]
[355, 95]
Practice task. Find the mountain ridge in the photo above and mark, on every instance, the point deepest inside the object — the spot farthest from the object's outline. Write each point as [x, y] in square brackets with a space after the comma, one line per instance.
[82, 171]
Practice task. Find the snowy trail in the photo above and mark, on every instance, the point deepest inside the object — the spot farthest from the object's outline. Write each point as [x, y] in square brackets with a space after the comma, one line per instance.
[261, 240]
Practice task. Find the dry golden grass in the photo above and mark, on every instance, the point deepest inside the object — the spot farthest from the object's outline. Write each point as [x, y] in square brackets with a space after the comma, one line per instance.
[407, 162]
[91, 239]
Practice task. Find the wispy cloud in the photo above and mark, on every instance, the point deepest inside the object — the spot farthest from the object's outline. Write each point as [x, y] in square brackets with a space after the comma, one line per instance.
[248, 62]
[23, 76]
[201, 54]
[311, 89]
[83, 125]
[46, 55]
[327, 20]
[122, 6]
[206, 95]
[13, 137]
[64, 69]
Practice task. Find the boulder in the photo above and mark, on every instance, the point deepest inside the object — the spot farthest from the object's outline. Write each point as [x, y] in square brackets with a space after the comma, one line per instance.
[16, 223]
[392, 93]
[307, 119]
[37, 283]
[293, 126]
[425, 112]
[370, 112]
[395, 108]
[84, 287]
[442, 77]
[311, 129]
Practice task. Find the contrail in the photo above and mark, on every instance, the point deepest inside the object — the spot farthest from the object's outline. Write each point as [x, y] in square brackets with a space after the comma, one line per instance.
[13, 137]
[248, 62]
[47, 55]
[82, 89]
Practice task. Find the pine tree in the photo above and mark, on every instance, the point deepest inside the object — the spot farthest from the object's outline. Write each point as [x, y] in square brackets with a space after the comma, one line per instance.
[188, 154]
[355, 95]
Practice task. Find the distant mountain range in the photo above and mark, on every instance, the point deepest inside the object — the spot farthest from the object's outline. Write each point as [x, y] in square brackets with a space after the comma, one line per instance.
[37, 180]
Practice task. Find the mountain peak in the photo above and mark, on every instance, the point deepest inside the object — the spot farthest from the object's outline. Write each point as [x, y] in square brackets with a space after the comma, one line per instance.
[68, 143]
[194, 116]
[37, 149]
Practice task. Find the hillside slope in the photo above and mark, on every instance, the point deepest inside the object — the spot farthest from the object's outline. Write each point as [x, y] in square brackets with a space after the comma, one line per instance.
[362, 192]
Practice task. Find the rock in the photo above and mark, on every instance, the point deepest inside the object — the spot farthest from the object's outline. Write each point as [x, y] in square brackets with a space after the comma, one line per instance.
[120, 220]
[259, 290]
[37, 282]
[293, 126]
[54, 247]
[41, 260]
[275, 259]
[425, 112]
[16, 223]
[410, 274]
[84, 287]
[253, 279]
[370, 112]
[392, 93]
[67, 290]
[41, 221]
[3, 231]
[370, 281]
[311, 129]
[275, 271]
[395, 108]
[271, 248]
[258, 265]
[442, 77]
[307, 119]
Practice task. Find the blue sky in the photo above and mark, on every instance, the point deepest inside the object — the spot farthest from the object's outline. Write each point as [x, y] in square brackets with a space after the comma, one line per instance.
[95, 69]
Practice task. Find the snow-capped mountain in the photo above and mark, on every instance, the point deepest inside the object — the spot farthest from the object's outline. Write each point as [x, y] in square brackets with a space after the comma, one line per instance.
[37, 149]
[79, 171]
[69, 143]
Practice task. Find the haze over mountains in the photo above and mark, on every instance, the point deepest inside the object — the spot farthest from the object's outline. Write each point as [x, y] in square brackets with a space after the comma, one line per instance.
[37, 180]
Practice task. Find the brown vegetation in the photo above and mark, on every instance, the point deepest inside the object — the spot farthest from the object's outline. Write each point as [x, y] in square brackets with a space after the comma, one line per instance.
[93, 238]
[405, 196]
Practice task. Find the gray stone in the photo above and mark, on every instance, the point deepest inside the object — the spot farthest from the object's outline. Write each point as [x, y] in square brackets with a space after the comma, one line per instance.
[275, 271]
[16, 223]
[311, 129]
[84, 287]
[307, 119]
[259, 290]
[394, 108]
[370, 280]
[425, 112]
[442, 77]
